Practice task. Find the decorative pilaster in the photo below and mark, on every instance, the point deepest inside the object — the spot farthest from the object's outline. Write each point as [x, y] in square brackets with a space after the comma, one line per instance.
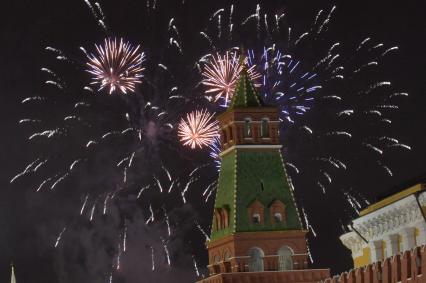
[376, 251]
[408, 238]
[392, 245]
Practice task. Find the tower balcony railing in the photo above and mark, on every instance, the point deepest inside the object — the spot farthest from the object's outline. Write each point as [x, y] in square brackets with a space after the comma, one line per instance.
[245, 264]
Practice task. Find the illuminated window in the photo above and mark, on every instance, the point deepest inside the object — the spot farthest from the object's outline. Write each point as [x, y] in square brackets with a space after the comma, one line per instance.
[256, 218]
[278, 217]
[247, 127]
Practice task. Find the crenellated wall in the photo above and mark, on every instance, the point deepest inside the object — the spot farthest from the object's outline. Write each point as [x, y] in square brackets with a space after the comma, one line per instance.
[409, 266]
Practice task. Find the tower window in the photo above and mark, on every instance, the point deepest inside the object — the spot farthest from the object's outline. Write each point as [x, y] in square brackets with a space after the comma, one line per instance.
[230, 133]
[278, 217]
[264, 128]
[247, 128]
[256, 218]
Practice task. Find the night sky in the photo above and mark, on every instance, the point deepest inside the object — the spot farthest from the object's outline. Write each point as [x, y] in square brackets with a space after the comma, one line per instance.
[27, 27]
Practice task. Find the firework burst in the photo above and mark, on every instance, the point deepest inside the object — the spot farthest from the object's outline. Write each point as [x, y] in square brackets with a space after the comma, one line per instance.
[198, 129]
[117, 66]
[221, 74]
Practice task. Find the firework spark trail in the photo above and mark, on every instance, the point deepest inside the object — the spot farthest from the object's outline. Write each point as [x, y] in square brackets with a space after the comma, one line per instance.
[171, 186]
[307, 224]
[192, 180]
[33, 98]
[89, 143]
[84, 204]
[60, 179]
[166, 251]
[339, 133]
[388, 170]
[58, 239]
[376, 149]
[166, 217]
[401, 146]
[47, 133]
[195, 266]
[152, 259]
[363, 43]
[198, 129]
[202, 231]
[168, 173]
[321, 186]
[291, 165]
[26, 170]
[125, 237]
[376, 85]
[106, 203]
[43, 183]
[142, 190]
[39, 165]
[117, 66]
[118, 262]
[151, 217]
[158, 184]
[231, 11]
[97, 14]
[327, 20]
[389, 50]
[75, 162]
[353, 202]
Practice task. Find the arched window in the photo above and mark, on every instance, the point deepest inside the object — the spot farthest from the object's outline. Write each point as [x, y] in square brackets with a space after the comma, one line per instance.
[277, 212]
[278, 218]
[256, 212]
[247, 128]
[224, 217]
[227, 256]
[218, 218]
[231, 136]
[216, 259]
[256, 218]
[256, 259]
[264, 128]
[285, 261]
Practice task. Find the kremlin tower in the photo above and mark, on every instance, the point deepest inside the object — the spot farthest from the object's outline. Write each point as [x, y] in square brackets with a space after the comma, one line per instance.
[257, 234]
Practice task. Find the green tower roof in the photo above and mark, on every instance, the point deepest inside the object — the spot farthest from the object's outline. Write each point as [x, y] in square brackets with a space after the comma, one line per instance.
[248, 176]
[245, 93]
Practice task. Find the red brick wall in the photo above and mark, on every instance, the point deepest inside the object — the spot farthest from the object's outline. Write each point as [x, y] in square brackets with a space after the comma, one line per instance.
[408, 267]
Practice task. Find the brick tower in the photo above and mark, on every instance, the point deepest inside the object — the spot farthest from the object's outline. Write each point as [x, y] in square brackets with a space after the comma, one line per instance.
[256, 233]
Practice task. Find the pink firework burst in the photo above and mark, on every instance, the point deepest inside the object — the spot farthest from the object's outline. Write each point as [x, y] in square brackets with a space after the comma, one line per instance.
[116, 65]
[221, 74]
[198, 129]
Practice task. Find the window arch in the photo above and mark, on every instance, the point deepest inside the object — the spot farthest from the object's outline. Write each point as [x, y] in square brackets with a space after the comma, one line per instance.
[256, 212]
[264, 128]
[247, 128]
[285, 260]
[278, 218]
[224, 215]
[217, 220]
[256, 218]
[256, 259]
[277, 212]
